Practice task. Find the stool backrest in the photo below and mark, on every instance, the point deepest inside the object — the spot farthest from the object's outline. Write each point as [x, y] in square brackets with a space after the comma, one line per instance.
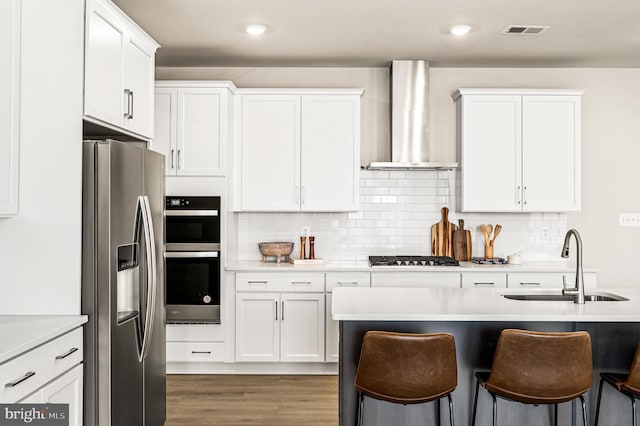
[407, 368]
[633, 379]
[542, 364]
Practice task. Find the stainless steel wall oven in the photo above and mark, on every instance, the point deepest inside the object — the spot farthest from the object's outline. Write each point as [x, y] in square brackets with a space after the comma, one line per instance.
[192, 259]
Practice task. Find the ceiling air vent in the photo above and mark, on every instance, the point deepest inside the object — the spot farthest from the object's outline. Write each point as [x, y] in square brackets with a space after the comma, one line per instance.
[524, 29]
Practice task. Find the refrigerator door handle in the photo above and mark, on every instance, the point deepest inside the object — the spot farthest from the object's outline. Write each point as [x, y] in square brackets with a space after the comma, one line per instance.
[151, 275]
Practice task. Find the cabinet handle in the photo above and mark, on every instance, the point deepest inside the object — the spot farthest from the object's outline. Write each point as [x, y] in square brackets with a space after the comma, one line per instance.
[66, 354]
[201, 352]
[348, 283]
[256, 282]
[529, 284]
[20, 380]
[173, 151]
[481, 284]
[518, 194]
[301, 282]
[131, 97]
[276, 302]
[178, 160]
[127, 113]
[282, 315]
[524, 195]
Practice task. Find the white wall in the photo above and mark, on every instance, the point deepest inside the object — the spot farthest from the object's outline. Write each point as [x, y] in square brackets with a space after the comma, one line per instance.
[610, 129]
[40, 248]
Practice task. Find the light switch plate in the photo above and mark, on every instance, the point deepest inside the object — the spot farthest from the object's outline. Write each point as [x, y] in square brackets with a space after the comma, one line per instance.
[630, 219]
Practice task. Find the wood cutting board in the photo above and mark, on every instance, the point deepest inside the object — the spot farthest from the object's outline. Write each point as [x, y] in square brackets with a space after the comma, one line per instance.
[462, 243]
[441, 236]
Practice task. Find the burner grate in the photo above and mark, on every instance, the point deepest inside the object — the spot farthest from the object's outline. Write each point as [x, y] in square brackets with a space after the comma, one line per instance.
[412, 261]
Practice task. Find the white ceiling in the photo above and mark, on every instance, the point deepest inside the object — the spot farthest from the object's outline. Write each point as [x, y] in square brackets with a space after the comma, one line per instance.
[370, 33]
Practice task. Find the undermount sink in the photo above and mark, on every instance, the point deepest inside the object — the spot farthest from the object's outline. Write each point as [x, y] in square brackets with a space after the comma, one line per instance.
[595, 297]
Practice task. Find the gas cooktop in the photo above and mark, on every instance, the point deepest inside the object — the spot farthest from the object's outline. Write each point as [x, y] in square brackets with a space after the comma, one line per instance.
[412, 261]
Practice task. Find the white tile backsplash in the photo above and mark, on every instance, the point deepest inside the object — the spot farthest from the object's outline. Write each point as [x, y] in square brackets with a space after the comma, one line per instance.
[397, 209]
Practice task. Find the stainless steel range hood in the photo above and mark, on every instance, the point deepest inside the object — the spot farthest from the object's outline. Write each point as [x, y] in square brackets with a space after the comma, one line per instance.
[410, 119]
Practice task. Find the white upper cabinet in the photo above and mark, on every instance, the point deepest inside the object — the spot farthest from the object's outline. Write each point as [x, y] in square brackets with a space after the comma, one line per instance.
[9, 105]
[192, 126]
[119, 70]
[519, 150]
[298, 150]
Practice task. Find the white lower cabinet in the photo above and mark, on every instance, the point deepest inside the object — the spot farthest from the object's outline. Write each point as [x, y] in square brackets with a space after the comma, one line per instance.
[66, 389]
[484, 280]
[272, 327]
[549, 280]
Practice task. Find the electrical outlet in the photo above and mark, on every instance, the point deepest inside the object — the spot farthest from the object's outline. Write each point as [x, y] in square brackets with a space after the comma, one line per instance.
[305, 230]
[630, 219]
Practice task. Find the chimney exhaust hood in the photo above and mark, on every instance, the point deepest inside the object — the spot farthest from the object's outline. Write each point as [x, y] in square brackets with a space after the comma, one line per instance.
[410, 119]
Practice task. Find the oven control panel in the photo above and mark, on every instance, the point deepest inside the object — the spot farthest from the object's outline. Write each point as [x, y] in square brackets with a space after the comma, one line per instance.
[192, 203]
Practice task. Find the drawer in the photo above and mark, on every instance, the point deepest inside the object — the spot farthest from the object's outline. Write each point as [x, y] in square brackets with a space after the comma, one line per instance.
[45, 362]
[195, 333]
[416, 279]
[548, 280]
[484, 280]
[195, 351]
[280, 281]
[347, 279]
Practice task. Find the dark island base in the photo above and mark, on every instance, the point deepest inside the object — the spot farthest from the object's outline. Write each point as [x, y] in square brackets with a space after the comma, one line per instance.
[614, 345]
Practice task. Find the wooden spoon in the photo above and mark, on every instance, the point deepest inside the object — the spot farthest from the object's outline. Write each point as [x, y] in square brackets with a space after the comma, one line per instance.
[489, 231]
[496, 232]
[483, 231]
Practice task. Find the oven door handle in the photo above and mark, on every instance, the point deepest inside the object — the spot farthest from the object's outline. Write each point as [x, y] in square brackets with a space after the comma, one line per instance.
[191, 212]
[191, 254]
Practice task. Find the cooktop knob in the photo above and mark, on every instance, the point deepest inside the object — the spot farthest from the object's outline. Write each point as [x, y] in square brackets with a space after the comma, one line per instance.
[398, 262]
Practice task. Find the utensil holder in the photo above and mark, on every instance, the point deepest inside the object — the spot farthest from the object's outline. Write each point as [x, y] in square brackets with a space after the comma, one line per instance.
[488, 251]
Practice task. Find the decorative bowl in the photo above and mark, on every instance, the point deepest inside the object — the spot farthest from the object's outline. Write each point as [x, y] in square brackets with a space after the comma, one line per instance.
[275, 249]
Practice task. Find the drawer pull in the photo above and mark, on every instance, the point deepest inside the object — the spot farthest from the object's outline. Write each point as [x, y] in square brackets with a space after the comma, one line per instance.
[66, 354]
[257, 282]
[529, 284]
[20, 380]
[484, 284]
[301, 282]
[348, 283]
[201, 352]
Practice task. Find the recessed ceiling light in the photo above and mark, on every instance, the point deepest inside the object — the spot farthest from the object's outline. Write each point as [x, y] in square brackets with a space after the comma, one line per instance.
[460, 30]
[255, 30]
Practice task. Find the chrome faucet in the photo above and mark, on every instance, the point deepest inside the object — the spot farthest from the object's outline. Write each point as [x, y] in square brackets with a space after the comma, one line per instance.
[578, 290]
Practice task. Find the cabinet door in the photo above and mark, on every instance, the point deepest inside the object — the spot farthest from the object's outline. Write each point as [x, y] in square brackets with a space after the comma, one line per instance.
[548, 280]
[332, 333]
[165, 124]
[416, 279]
[551, 153]
[491, 137]
[138, 80]
[9, 105]
[302, 327]
[270, 152]
[201, 140]
[484, 280]
[330, 166]
[104, 91]
[257, 327]
[67, 389]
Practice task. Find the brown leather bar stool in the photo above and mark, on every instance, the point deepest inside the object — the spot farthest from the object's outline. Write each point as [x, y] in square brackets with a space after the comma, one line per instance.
[538, 368]
[406, 368]
[627, 384]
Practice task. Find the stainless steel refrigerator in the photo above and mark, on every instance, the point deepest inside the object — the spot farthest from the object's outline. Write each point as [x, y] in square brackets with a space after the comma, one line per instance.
[123, 285]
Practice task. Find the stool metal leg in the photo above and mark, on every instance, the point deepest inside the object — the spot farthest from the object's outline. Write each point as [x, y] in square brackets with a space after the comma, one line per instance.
[450, 409]
[584, 411]
[437, 407]
[598, 404]
[360, 408]
[475, 404]
[633, 410]
[495, 410]
[555, 414]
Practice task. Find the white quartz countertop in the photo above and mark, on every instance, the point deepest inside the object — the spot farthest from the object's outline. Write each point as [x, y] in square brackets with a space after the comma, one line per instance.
[21, 333]
[363, 266]
[474, 304]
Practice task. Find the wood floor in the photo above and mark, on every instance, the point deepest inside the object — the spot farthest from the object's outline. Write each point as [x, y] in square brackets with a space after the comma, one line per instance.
[251, 400]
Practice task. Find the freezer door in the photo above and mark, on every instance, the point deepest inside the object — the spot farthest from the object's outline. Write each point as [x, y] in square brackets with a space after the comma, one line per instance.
[155, 358]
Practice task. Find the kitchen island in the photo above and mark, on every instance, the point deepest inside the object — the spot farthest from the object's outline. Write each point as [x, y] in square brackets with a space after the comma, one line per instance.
[476, 317]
